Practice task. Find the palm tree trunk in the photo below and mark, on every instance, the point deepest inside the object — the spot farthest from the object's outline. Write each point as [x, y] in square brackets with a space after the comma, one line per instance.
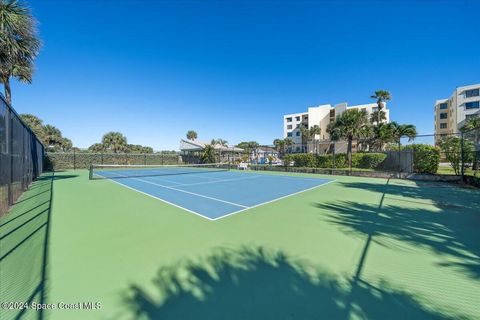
[8, 90]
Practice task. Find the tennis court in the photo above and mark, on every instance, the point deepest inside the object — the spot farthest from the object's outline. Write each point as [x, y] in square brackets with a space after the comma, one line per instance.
[211, 191]
[347, 248]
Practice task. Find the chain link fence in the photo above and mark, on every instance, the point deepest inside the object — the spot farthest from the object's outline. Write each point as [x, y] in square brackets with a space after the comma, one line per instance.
[446, 157]
[57, 161]
[21, 156]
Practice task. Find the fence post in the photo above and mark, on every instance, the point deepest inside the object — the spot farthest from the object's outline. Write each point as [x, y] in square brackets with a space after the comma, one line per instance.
[74, 160]
[145, 159]
[333, 158]
[8, 132]
[462, 153]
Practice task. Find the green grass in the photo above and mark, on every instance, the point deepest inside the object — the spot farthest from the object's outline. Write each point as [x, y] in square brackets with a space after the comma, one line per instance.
[449, 171]
[353, 249]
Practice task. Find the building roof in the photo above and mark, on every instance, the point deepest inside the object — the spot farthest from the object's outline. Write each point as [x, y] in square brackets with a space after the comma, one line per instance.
[198, 145]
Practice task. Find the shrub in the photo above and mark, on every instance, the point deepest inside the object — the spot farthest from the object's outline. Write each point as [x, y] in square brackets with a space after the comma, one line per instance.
[327, 161]
[287, 160]
[368, 160]
[304, 160]
[425, 158]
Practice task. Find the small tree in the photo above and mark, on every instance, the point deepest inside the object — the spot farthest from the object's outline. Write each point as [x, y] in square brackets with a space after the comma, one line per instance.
[452, 148]
[472, 129]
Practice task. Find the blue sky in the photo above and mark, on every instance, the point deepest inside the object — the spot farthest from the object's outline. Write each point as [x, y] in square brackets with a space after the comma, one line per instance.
[153, 70]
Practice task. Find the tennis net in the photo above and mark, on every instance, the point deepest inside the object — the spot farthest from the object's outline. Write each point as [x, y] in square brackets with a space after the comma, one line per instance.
[98, 171]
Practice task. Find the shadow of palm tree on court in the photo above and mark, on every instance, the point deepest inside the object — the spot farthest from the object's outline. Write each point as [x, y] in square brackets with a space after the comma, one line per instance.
[256, 284]
[451, 230]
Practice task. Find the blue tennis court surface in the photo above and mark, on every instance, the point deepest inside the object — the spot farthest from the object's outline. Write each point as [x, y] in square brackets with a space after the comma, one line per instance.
[214, 195]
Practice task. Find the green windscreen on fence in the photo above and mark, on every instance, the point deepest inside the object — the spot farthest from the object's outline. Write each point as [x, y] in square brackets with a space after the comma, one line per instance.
[21, 156]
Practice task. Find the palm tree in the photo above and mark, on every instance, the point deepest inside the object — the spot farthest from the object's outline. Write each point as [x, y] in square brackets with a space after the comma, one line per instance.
[219, 142]
[279, 145]
[53, 136]
[350, 125]
[115, 142]
[66, 144]
[288, 142]
[314, 131]
[96, 147]
[19, 44]
[191, 135]
[381, 96]
[399, 131]
[402, 130]
[306, 136]
[382, 134]
[35, 124]
[249, 147]
[208, 154]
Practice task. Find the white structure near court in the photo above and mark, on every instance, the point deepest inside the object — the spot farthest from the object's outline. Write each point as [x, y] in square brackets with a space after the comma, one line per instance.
[194, 148]
[321, 116]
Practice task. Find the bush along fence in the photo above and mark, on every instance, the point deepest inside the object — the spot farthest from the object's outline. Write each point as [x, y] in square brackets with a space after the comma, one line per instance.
[82, 160]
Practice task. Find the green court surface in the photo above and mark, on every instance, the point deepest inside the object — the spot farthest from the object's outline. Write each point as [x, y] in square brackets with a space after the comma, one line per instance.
[356, 248]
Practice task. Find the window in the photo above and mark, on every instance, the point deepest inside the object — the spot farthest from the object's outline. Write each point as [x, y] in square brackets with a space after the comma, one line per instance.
[332, 113]
[289, 119]
[443, 115]
[443, 106]
[289, 126]
[298, 133]
[472, 105]
[443, 126]
[472, 93]
[305, 118]
[289, 134]
[374, 109]
[298, 126]
[297, 118]
[364, 109]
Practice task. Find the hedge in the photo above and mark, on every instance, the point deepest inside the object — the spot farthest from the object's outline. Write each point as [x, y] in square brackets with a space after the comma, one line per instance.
[80, 160]
[359, 160]
[426, 158]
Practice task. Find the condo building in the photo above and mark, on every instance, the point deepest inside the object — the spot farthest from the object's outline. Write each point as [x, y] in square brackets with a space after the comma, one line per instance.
[321, 116]
[452, 113]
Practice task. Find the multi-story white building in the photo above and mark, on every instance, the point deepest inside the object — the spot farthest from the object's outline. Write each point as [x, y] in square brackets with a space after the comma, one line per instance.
[452, 113]
[321, 116]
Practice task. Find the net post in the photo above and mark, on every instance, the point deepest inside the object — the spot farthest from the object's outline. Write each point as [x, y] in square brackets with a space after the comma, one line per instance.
[90, 172]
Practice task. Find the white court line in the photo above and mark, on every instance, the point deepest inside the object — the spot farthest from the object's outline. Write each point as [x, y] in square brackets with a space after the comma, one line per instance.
[192, 193]
[224, 216]
[216, 181]
[162, 200]
[270, 201]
